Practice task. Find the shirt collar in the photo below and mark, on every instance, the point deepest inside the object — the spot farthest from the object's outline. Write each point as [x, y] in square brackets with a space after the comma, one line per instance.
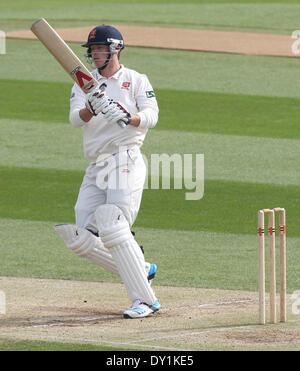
[115, 76]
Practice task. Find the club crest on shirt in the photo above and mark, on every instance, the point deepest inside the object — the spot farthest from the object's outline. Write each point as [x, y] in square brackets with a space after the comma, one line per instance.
[125, 85]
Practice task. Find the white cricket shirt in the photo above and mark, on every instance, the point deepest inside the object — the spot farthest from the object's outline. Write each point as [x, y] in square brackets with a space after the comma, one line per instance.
[134, 91]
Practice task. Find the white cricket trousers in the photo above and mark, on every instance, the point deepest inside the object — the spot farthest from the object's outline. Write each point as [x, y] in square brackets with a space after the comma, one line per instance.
[115, 179]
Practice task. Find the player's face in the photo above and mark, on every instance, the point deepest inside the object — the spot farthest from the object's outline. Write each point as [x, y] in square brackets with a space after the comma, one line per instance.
[99, 54]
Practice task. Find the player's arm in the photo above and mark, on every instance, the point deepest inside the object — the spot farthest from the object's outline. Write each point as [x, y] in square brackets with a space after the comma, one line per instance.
[135, 120]
[85, 114]
[79, 115]
[82, 106]
[147, 116]
[146, 103]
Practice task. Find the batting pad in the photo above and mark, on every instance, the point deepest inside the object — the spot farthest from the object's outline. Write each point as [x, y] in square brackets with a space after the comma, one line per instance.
[84, 244]
[116, 236]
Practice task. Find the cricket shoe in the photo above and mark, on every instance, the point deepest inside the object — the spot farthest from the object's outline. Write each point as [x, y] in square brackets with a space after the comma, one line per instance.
[140, 309]
[152, 272]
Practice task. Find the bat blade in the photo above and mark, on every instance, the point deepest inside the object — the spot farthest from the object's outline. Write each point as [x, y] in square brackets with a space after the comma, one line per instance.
[64, 55]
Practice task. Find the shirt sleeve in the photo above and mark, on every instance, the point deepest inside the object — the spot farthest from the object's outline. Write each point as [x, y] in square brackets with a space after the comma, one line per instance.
[146, 103]
[77, 102]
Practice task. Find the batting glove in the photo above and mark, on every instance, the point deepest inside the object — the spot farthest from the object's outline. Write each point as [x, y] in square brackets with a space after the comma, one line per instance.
[97, 101]
[115, 112]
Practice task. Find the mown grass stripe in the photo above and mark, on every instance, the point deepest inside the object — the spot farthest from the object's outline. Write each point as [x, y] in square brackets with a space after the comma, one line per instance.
[232, 158]
[41, 144]
[241, 14]
[42, 101]
[34, 144]
[228, 114]
[198, 259]
[229, 207]
[186, 71]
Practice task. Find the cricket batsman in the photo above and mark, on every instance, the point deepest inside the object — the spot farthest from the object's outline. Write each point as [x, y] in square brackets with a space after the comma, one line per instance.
[114, 120]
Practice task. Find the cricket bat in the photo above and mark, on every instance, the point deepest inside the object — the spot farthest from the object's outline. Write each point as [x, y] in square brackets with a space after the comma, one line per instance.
[66, 58]
[64, 55]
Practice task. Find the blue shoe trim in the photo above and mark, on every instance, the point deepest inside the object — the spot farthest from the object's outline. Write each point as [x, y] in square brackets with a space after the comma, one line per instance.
[153, 269]
[152, 272]
[138, 310]
[156, 306]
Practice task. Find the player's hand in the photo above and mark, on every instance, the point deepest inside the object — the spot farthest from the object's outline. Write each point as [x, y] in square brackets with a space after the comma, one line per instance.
[116, 113]
[97, 101]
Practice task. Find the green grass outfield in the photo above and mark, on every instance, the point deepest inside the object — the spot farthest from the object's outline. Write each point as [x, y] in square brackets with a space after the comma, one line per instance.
[241, 112]
[240, 15]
